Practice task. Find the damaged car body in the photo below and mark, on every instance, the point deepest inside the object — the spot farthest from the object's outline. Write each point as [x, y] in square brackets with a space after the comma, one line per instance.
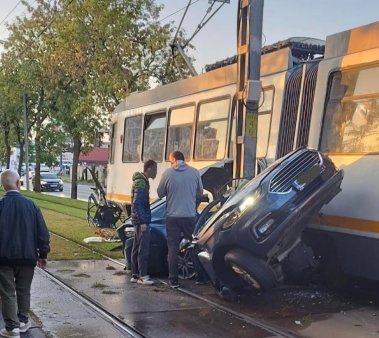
[249, 238]
[250, 235]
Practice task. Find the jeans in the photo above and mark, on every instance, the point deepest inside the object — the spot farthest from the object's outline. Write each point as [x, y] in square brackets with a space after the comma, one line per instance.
[177, 227]
[15, 283]
[140, 251]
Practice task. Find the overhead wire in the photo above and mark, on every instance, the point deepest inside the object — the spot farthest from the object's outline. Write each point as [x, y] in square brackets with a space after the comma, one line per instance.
[10, 12]
[202, 23]
[43, 30]
[176, 12]
[181, 21]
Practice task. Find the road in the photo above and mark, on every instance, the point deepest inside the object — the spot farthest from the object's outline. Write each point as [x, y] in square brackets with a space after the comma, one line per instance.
[84, 191]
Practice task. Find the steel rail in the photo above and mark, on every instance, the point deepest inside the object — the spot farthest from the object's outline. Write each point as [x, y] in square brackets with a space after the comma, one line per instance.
[124, 328]
[256, 322]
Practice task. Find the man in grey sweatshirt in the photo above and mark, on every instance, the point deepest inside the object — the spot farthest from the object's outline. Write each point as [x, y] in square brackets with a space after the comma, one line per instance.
[181, 185]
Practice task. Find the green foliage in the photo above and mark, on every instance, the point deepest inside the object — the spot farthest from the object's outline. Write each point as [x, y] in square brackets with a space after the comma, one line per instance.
[76, 60]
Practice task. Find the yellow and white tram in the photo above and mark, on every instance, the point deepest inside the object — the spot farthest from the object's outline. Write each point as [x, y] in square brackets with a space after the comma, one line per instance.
[329, 102]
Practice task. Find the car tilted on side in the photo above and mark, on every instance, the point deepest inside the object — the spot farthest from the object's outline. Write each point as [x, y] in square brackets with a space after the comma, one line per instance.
[247, 240]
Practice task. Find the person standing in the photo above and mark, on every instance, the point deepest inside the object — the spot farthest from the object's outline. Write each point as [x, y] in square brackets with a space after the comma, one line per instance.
[182, 187]
[24, 243]
[141, 217]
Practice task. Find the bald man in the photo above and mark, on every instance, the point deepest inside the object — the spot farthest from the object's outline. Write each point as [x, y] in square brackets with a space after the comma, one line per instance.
[24, 243]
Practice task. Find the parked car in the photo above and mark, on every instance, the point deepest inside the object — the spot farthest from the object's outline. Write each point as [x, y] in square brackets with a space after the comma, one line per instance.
[249, 238]
[49, 182]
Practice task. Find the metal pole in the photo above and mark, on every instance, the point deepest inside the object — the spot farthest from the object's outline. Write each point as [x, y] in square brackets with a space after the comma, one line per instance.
[253, 87]
[25, 100]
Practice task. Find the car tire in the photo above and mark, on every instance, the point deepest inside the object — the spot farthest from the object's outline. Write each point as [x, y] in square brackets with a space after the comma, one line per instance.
[253, 271]
[186, 265]
[60, 189]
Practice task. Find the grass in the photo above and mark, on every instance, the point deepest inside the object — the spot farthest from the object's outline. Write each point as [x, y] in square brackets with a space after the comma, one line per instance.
[62, 249]
[67, 218]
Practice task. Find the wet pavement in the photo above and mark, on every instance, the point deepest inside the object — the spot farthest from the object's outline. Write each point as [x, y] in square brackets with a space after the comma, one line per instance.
[159, 311]
[155, 311]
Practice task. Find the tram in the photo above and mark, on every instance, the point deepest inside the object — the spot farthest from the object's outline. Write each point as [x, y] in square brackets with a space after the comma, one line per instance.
[324, 95]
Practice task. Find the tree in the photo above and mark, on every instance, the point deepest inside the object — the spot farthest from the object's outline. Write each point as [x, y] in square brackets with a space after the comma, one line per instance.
[77, 60]
[104, 50]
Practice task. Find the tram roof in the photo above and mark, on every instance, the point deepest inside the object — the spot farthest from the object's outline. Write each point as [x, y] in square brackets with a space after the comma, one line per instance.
[353, 41]
[274, 62]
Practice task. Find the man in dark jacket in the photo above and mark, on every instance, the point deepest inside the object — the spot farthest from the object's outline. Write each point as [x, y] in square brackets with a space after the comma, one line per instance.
[141, 218]
[24, 242]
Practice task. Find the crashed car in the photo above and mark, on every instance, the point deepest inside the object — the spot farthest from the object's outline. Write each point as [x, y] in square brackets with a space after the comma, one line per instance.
[252, 235]
[247, 241]
[157, 263]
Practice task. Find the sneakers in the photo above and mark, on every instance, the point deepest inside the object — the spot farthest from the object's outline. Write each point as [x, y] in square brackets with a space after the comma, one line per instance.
[134, 279]
[24, 327]
[12, 333]
[145, 280]
[173, 283]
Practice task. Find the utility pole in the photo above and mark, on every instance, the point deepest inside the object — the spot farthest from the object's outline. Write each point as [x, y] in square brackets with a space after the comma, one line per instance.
[249, 40]
[25, 101]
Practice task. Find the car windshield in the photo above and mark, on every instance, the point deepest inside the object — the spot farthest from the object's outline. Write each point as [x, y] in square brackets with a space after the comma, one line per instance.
[48, 176]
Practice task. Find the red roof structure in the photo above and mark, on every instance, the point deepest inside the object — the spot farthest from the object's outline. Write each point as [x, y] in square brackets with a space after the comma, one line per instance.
[96, 156]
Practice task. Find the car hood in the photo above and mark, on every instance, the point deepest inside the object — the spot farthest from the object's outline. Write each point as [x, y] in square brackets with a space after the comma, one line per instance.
[255, 196]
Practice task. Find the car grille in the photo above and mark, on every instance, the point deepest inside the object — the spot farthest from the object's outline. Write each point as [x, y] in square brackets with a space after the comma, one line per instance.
[282, 181]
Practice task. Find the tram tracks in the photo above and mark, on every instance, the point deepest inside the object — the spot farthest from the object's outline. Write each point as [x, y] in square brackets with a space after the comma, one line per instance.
[130, 331]
[125, 329]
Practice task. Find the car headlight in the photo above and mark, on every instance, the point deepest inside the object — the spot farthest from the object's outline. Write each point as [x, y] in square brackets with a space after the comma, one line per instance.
[230, 218]
[43, 182]
[60, 182]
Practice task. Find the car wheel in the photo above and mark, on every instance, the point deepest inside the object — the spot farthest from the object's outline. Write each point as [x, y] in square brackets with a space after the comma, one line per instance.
[185, 265]
[253, 271]
[60, 189]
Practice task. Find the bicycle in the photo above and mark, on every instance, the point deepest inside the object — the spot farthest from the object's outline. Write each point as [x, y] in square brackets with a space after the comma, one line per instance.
[101, 213]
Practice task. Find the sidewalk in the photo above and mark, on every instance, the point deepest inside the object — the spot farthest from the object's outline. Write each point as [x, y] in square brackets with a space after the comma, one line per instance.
[57, 313]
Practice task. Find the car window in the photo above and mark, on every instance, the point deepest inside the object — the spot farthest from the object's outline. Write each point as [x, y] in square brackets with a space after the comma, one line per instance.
[48, 176]
[158, 210]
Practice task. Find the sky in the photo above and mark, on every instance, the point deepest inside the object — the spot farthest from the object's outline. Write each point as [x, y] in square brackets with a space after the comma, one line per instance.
[281, 19]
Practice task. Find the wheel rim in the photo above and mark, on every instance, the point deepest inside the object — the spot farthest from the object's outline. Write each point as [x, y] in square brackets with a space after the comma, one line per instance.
[246, 277]
[186, 266]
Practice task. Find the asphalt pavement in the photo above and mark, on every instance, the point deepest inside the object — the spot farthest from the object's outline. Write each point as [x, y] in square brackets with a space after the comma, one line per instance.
[84, 190]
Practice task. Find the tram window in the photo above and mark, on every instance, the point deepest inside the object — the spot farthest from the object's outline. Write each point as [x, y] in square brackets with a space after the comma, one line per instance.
[264, 121]
[264, 124]
[180, 131]
[113, 143]
[266, 100]
[154, 137]
[211, 130]
[132, 139]
[351, 121]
